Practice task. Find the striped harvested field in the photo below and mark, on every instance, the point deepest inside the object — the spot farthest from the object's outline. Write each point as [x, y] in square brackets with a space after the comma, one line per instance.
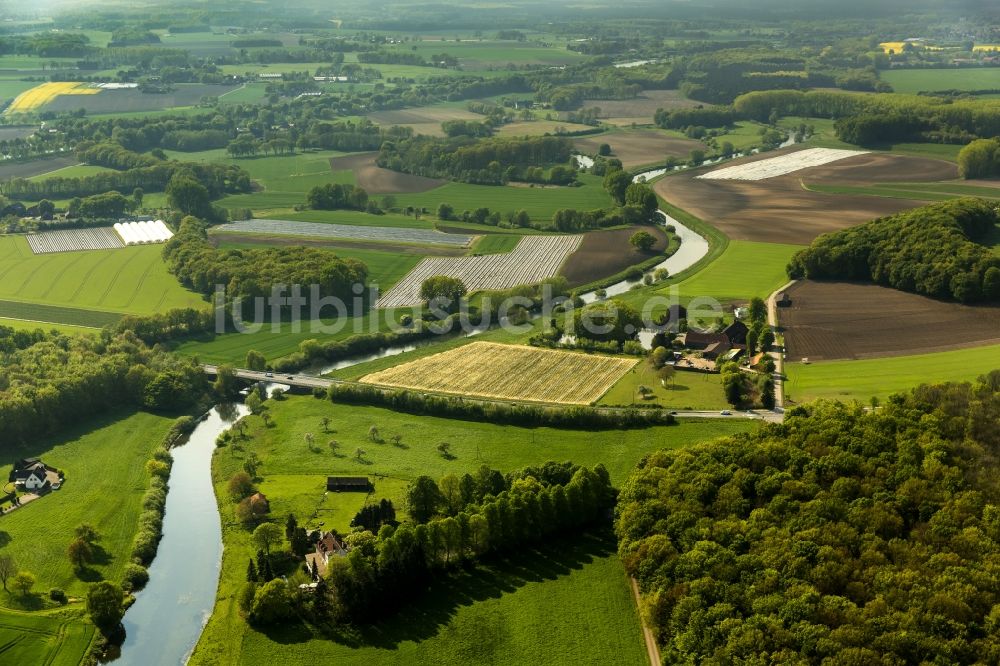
[68, 240]
[534, 259]
[782, 164]
[347, 231]
[510, 372]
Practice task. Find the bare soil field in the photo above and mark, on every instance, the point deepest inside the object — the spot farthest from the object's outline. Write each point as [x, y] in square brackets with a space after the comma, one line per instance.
[640, 110]
[376, 180]
[781, 210]
[130, 100]
[423, 120]
[510, 372]
[10, 170]
[640, 147]
[841, 320]
[539, 127]
[604, 253]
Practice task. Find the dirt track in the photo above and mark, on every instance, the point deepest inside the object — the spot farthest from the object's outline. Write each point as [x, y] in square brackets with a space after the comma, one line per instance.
[376, 180]
[840, 320]
[604, 253]
[780, 210]
[639, 147]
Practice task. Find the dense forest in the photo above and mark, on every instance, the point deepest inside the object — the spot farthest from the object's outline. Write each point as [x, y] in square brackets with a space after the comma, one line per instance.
[249, 273]
[48, 381]
[842, 536]
[930, 250]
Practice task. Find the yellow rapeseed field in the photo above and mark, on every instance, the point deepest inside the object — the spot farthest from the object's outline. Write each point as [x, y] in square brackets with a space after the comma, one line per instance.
[510, 372]
[42, 94]
[986, 47]
[892, 47]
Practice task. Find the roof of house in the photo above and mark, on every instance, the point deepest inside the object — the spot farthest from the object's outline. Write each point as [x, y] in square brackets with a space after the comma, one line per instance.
[736, 332]
[717, 348]
[258, 499]
[25, 463]
[698, 338]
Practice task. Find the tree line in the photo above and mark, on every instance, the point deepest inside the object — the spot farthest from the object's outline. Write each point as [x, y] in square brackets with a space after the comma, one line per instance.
[931, 251]
[843, 535]
[455, 521]
[488, 161]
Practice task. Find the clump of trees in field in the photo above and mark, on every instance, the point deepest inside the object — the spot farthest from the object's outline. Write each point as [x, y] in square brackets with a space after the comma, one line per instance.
[842, 535]
[76, 377]
[980, 159]
[249, 273]
[930, 250]
[490, 161]
[334, 196]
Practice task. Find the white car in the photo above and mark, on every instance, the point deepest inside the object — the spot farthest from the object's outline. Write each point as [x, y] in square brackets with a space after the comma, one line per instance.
[726, 412]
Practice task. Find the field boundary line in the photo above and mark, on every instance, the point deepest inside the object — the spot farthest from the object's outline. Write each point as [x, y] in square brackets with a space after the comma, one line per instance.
[779, 357]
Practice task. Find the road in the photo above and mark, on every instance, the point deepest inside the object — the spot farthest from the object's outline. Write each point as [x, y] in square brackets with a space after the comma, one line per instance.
[311, 382]
[778, 356]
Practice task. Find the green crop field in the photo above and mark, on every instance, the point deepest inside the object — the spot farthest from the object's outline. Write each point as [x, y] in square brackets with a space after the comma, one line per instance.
[285, 179]
[505, 612]
[495, 244]
[931, 80]
[359, 218]
[687, 390]
[55, 638]
[22, 325]
[918, 191]
[880, 377]
[540, 202]
[129, 280]
[75, 171]
[104, 463]
[475, 54]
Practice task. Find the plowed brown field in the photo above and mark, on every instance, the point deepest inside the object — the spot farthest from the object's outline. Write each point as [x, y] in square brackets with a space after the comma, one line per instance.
[376, 180]
[840, 320]
[780, 210]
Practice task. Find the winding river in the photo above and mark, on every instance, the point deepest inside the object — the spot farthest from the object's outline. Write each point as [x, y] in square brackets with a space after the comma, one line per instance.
[166, 620]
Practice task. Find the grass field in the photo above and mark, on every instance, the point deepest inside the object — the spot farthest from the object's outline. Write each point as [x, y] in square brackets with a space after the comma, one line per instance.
[918, 191]
[22, 325]
[536, 608]
[861, 380]
[541, 203]
[130, 280]
[75, 171]
[687, 390]
[528, 373]
[744, 269]
[56, 638]
[285, 179]
[913, 81]
[104, 463]
[495, 244]
[359, 218]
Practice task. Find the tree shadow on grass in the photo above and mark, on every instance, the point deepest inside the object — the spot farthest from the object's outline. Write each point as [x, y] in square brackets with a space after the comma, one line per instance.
[424, 617]
[88, 575]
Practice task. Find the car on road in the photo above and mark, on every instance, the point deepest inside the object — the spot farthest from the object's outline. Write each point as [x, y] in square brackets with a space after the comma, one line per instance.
[726, 412]
[269, 374]
[290, 377]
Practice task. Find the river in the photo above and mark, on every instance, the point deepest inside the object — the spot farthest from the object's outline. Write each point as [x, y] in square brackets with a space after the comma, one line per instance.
[167, 618]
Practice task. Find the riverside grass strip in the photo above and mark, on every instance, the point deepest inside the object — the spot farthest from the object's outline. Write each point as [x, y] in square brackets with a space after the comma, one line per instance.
[510, 372]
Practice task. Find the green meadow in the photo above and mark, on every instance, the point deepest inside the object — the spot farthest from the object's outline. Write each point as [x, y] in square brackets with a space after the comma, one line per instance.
[539, 603]
[881, 377]
[126, 280]
[54, 638]
[914, 81]
[687, 390]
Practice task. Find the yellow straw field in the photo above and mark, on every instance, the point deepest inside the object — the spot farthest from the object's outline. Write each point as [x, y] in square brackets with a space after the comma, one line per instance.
[509, 372]
[41, 95]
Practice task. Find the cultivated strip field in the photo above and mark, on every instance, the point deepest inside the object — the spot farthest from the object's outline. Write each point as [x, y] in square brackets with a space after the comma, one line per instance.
[534, 259]
[320, 230]
[781, 165]
[42, 94]
[510, 372]
[102, 238]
